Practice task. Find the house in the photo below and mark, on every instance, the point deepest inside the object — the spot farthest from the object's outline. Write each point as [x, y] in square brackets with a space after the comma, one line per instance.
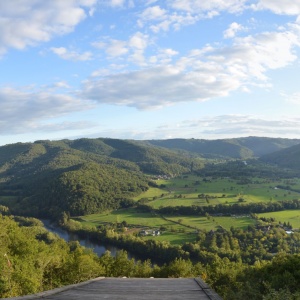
[150, 232]
[144, 232]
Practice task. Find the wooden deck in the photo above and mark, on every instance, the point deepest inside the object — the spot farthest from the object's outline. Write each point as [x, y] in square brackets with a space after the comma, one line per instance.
[131, 288]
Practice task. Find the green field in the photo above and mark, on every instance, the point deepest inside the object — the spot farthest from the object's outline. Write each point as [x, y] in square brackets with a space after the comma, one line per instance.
[174, 238]
[152, 192]
[131, 216]
[176, 230]
[292, 216]
[172, 232]
[203, 223]
[184, 191]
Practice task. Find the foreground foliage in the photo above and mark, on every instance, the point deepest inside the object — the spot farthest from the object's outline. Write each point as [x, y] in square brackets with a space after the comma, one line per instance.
[33, 260]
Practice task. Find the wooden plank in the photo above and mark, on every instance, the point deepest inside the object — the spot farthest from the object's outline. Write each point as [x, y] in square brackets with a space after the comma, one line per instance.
[132, 289]
[208, 291]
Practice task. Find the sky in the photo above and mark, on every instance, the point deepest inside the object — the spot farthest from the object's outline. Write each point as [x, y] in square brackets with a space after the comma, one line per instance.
[149, 69]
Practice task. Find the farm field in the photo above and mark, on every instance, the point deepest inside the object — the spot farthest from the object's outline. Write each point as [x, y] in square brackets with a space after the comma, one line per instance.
[185, 191]
[174, 233]
[174, 238]
[152, 192]
[212, 222]
[131, 216]
[176, 230]
[292, 216]
[193, 190]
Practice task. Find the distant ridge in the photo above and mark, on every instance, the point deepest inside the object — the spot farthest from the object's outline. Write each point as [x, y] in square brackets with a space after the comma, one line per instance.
[242, 148]
[85, 176]
[286, 158]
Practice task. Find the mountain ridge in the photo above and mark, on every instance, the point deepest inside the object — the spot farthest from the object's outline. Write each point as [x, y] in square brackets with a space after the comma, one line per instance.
[92, 175]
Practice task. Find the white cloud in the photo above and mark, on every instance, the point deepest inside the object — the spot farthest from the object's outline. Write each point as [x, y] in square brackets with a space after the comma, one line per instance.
[63, 126]
[71, 55]
[116, 48]
[225, 126]
[138, 41]
[292, 98]
[61, 84]
[212, 127]
[115, 3]
[169, 52]
[163, 57]
[285, 7]
[246, 125]
[119, 3]
[205, 74]
[178, 13]
[134, 47]
[253, 56]
[112, 47]
[153, 13]
[21, 110]
[160, 86]
[149, 2]
[161, 19]
[232, 30]
[196, 6]
[28, 22]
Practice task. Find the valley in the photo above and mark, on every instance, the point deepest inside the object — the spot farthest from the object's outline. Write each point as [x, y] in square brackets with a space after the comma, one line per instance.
[222, 215]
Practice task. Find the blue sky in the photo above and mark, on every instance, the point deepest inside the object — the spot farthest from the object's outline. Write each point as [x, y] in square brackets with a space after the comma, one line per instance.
[134, 69]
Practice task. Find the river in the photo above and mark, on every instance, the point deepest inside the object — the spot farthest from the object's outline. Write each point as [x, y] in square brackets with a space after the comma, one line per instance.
[97, 247]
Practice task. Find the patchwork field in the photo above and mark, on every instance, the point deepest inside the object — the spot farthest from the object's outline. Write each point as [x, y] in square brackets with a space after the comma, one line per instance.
[193, 190]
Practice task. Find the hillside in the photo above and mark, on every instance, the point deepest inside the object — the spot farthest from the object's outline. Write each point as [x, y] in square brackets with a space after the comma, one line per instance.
[262, 146]
[84, 176]
[149, 158]
[242, 148]
[286, 158]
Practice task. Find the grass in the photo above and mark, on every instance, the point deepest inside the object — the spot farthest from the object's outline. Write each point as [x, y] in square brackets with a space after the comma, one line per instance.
[174, 238]
[184, 191]
[202, 223]
[150, 194]
[292, 216]
[131, 216]
[174, 233]
[176, 230]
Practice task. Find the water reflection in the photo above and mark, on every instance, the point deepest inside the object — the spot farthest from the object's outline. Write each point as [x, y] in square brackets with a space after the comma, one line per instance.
[69, 237]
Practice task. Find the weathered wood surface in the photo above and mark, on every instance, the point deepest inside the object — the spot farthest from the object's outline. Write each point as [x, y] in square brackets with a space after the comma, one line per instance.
[133, 289]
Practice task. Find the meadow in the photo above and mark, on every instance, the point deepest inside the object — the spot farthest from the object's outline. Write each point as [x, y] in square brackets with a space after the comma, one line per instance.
[186, 191]
[176, 230]
[193, 190]
[291, 216]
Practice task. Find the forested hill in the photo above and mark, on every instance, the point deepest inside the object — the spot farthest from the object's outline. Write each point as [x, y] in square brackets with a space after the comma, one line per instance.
[84, 176]
[242, 148]
[286, 158]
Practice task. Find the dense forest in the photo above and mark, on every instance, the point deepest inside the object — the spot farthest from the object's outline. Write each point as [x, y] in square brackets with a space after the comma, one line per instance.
[34, 260]
[65, 179]
[86, 176]
[82, 176]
